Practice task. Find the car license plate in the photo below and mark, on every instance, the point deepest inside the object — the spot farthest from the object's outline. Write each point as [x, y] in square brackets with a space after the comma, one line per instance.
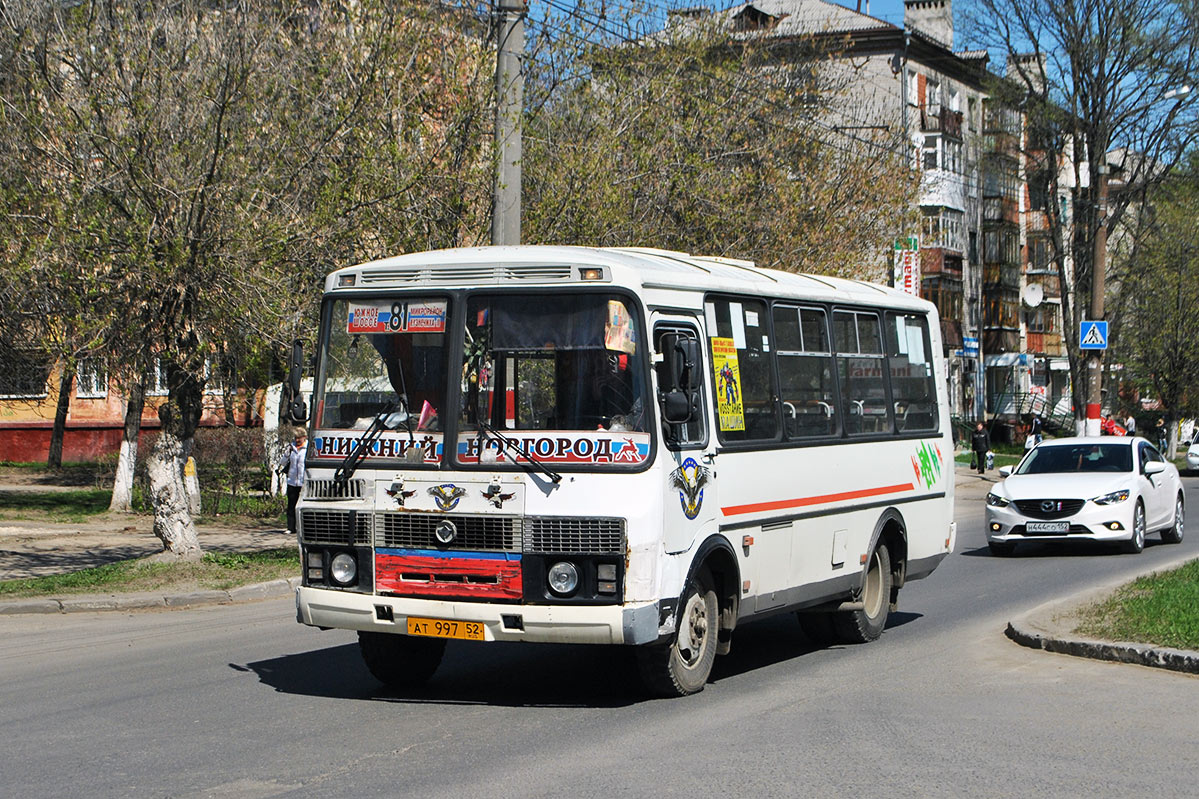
[1048, 527]
[445, 628]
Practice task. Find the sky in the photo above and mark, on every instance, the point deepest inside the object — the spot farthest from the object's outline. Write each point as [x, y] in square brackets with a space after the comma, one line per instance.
[886, 10]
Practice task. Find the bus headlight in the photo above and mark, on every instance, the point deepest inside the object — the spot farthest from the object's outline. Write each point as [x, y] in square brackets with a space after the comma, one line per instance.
[563, 578]
[343, 568]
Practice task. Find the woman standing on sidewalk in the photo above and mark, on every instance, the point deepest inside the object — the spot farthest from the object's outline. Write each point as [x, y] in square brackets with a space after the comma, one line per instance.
[294, 465]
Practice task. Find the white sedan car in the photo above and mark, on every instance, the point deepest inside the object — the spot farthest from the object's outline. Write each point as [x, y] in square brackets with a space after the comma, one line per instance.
[1193, 454]
[1097, 489]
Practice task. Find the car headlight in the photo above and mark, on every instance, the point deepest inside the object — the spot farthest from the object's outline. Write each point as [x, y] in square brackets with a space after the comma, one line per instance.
[563, 578]
[1112, 498]
[343, 568]
[996, 501]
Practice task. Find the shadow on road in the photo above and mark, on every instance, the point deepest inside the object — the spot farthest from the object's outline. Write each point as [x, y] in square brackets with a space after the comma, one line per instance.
[523, 675]
[1057, 549]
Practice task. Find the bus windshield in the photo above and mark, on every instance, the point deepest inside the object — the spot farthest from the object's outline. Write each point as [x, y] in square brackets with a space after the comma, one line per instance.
[567, 362]
[378, 351]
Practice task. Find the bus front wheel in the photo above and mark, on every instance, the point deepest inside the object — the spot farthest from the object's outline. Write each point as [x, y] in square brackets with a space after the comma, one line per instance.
[860, 626]
[682, 666]
[400, 661]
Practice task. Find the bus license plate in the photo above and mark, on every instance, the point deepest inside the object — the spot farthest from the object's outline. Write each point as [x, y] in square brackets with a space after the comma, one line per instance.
[445, 628]
[1048, 527]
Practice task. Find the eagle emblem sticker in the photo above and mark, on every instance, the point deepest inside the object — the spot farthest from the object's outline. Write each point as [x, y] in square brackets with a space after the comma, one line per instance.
[447, 495]
[689, 479]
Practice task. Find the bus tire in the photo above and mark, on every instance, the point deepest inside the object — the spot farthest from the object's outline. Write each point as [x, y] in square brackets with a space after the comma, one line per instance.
[682, 665]
[400, 661]
[861, 626]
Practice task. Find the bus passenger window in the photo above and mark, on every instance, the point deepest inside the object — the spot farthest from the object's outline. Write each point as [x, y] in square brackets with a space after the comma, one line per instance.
[805, 373]
[864, 402]
[743, 375]
[909, 361]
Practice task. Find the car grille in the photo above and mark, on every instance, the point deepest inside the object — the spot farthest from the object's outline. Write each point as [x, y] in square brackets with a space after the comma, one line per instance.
[337, 527]
[1075, 529]
[415, 531]
[503, 533]
[331, 489]
[1061, 508]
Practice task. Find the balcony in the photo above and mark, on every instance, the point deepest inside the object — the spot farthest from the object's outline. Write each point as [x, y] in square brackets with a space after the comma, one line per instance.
[997, 340]
[939, 119]
[1051, 288]
[1001, 209]
[939, 261]
[1049, 344]
[1003, 275]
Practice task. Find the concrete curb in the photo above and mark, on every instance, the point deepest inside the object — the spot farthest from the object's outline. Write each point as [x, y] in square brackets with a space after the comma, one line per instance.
[89, 604]
[1050, 627]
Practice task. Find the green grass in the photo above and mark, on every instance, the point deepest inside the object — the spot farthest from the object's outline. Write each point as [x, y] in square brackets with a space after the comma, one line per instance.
[1161, 609]
[216, 571]
[1000, 459]
[55, 506]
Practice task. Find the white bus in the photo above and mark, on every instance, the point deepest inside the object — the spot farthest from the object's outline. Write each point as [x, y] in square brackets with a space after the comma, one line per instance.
[616, 446]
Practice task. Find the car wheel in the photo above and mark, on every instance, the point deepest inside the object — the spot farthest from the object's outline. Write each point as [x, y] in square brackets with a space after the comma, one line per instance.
[682, 666]
[1136, 543]
[1173, 533]
[1001, 549]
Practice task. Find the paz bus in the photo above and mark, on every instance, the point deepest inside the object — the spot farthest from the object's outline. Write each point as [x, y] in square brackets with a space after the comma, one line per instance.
[615, 446]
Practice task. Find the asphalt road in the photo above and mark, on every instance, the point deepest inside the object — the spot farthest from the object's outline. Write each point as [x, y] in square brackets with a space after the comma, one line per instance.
[240, 701]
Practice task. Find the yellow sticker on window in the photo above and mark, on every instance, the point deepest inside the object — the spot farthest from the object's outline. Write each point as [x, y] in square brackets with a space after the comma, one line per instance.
[728, 384]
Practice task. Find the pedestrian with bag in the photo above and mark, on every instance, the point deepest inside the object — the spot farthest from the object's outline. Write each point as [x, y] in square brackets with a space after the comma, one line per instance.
[980, 444]
[293, 465]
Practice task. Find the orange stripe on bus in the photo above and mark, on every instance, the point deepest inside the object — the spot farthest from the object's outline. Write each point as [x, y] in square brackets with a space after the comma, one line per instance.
[783, 504]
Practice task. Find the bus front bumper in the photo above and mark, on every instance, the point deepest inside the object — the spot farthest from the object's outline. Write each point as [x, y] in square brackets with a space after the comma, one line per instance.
[631, 623]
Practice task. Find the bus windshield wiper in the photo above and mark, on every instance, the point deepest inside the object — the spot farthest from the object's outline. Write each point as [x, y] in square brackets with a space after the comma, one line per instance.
[510, 443]
[391, 418]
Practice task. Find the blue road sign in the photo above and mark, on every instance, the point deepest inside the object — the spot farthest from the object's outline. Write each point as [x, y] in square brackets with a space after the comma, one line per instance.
[1092, 335]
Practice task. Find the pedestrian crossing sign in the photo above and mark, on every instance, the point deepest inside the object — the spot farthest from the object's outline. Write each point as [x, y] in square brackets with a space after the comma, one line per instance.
[1092, 335]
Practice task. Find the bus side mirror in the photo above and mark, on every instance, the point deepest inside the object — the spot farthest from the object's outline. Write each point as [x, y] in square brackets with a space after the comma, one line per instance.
[680, 399]
[297, 411]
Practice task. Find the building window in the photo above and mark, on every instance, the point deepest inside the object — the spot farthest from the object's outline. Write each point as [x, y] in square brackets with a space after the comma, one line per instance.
[156, 379]
[1040, 252]
[1042, 319]
[952, 161]
[931, 155]
[944, 227]
[945, 293]
[91, 379]
[1038, 191]
[1001, 246]
[25, 374]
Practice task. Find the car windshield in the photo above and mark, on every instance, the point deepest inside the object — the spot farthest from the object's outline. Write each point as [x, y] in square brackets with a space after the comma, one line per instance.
[1068, 458]
[379, 350]
[566, 363]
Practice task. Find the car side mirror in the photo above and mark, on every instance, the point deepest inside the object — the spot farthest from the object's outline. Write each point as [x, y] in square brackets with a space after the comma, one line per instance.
[1154, 467]
[1005, 471]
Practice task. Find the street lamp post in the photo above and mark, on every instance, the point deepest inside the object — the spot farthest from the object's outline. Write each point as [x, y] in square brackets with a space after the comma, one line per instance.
[1099, 273]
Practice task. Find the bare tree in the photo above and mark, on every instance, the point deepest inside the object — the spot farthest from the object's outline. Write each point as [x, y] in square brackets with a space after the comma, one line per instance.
[1092, 75]
[216, 162]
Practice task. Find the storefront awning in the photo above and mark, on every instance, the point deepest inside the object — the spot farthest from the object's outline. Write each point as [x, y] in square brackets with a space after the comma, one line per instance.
[1007, 359]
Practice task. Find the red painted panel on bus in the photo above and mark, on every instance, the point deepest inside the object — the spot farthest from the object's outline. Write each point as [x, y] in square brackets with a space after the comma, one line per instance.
[448, 577]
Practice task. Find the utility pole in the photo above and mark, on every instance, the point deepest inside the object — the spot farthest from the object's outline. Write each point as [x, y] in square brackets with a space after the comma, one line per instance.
[509, 99]
[1099, 272]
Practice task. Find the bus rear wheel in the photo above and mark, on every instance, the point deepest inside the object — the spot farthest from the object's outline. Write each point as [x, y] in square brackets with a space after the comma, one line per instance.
[860, 626]
[683, 665]
[400, 661]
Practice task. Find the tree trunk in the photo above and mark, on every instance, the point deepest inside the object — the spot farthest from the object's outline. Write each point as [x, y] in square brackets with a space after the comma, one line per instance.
[179, 416]
[172, 520]
[122, 484]
[54, 461]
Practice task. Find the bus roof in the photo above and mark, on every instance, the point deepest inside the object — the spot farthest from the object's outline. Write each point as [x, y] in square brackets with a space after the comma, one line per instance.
[542, 265]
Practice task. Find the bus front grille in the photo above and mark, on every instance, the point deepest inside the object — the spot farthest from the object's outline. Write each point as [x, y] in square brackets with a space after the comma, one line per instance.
[584, 535]
[416, 531]
[336, 527]
[502, 533]
[331, 489]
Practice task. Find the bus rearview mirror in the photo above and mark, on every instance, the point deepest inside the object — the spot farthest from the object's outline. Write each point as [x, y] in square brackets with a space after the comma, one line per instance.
[297, 411]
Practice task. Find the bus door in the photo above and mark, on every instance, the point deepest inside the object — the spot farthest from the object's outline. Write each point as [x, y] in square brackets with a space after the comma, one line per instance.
[688, 453]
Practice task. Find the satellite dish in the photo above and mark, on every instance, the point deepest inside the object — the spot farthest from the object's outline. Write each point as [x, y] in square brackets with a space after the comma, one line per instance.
[1033, 294]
